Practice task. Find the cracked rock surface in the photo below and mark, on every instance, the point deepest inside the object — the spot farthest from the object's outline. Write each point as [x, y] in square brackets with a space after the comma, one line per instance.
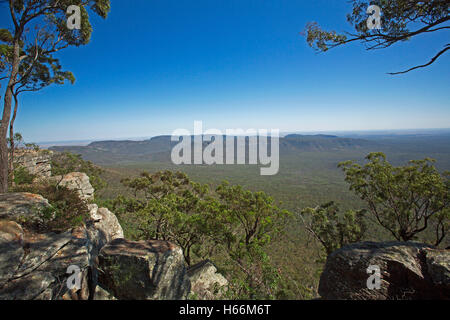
[144, 270]
[408, 270]
[35, 265]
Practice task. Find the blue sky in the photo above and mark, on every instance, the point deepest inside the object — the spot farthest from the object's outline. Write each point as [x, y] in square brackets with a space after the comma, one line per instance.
[157, 65]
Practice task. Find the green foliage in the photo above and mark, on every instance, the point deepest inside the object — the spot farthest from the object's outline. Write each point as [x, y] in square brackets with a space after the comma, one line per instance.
[404, 200]
[17, 139]
[332, 229]
[306, 179]
[230, 222]
[400, 21]
[66, 209]
[170, 206]
[248, 219]
[247, 223]
[66, 162]
[22, 176]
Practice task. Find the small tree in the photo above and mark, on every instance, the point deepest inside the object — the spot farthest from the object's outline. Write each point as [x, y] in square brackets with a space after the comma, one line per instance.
[66, 162]
[404, 200]
[400, 20]
[332, 229]
[172, 207]
[37, 29]
[248, 221]
[34, 76]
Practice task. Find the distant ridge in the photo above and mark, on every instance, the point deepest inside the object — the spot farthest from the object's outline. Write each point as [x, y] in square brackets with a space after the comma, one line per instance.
[158, 148]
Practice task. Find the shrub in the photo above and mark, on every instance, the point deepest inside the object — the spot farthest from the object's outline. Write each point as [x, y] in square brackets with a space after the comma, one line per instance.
[66, 162]
[66, 209]
[22, 176]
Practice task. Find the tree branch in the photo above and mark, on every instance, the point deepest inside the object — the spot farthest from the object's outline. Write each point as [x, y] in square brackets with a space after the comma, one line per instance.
[447, 47]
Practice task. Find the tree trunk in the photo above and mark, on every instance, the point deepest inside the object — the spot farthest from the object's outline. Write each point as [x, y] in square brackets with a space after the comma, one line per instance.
[5, 119]
[11, 139]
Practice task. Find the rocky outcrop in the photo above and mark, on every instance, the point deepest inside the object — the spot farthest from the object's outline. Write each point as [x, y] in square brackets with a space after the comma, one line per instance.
[153, 270]
[35, 162]
[22, 207]
[206, 283]
[106, 222]
[37, 265]
[408, 270]
[34, 266]
[78, 181]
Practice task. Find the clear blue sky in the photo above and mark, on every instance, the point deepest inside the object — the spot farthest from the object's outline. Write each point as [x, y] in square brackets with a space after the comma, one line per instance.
[157, 65]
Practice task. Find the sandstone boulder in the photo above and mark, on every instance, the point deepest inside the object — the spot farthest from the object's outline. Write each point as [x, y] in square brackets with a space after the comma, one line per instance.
[22, 207]
[106, 221]
[206, 283]
[143, 270]
[102, 294]
[408, 271]
[35, 162]
[36, 266]
[78, 181]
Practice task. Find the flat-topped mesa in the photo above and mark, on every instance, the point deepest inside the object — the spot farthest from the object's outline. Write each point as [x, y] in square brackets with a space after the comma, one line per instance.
[36, 162]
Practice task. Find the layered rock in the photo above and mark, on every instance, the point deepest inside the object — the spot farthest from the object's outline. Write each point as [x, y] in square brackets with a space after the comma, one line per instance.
[78, 181]
[106, 222]
[22, 206]
[206, 282]
[408, 270]
[35, 162]
[35, 266]
[151, 270]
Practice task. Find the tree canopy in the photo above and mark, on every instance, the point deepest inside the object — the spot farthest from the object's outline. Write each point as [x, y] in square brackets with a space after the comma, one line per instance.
[400, 20]
[405, 200]
[38, 29]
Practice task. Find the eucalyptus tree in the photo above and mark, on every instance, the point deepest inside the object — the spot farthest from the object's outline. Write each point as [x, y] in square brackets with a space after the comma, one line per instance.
[405, 200]
[43, 72]
[379, 24]
[36, 31]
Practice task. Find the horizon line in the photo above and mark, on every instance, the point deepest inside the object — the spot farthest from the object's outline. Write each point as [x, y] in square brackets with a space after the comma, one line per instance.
[282, 134]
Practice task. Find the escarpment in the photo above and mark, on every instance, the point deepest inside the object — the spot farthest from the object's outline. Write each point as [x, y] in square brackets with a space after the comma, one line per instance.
[91, 261]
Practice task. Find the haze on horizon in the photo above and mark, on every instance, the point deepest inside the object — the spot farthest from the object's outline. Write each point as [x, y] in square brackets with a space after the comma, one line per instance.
[153, 67]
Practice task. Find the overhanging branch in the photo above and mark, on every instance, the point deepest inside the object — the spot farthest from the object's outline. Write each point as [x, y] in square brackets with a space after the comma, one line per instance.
[447, 47]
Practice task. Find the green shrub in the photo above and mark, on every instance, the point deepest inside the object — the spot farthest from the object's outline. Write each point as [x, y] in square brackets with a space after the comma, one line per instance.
[67, 209]
[66, 162]
[22, 176]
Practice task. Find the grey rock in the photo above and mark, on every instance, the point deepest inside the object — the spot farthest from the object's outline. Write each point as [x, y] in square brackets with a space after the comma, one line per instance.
[107, 222]
[37, 267]
[438, 265]
[22, 207]
[102, 294]
[143, 270]
[11, 249]
[28, 287]
[35, 162]
[408, 270]
[42, 248]
[206, 283]
[78, 181]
